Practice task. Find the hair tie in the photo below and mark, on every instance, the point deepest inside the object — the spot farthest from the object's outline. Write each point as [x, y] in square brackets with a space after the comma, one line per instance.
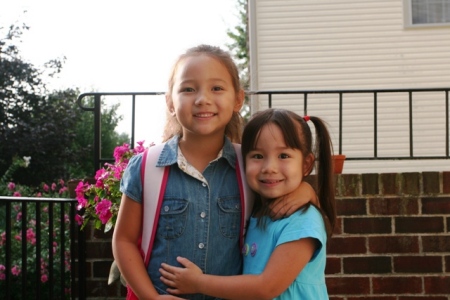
[306, 118]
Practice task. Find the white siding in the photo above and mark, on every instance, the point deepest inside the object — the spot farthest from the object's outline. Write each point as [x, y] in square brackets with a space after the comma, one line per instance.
[355, 45]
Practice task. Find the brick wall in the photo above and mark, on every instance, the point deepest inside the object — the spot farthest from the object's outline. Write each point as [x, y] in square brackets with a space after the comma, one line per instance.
[392, 241]
[393, 237]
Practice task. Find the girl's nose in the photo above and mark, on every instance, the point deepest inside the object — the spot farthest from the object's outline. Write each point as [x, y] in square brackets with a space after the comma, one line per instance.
[202, 98]
[269, 165]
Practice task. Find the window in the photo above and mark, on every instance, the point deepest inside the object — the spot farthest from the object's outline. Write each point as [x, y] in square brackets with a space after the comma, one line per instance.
[427, 12]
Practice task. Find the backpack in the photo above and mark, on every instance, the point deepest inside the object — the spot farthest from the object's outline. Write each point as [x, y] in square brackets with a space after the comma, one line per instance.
[154, 181]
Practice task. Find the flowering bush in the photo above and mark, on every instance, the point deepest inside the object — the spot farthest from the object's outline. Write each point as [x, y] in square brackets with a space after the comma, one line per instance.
[53, 190]
[100, 201]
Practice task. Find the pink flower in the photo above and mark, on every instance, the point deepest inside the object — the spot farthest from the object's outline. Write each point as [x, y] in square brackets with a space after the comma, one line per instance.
[119, 151]
[79, 219]
[45, 187]
[19, 216]
[103, 210]
[2, 241]
[15, 270]
[62, 190]
[18, 237]
[11, 186]
[2, 268]
[61, 182]
[44, 278]
[17, 194]
[39, 194]
[53, 186]
[31, 236]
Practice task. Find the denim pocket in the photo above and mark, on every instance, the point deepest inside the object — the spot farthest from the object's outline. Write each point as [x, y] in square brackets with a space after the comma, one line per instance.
[229, 216]
[172, 218]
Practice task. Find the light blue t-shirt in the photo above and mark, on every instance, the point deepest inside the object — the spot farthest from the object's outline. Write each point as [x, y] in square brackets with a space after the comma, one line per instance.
[261, 242]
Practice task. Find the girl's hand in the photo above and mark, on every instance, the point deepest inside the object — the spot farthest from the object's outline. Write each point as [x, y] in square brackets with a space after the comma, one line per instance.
[290, 203]
[181, 280]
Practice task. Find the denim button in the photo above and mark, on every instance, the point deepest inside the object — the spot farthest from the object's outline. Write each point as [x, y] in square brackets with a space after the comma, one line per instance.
[203, 214]
[201, 245]
[253, 249]
[204, 184]
[166, 208]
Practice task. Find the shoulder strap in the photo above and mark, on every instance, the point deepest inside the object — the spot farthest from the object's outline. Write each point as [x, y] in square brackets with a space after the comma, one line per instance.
[154, 180]
[247, 196]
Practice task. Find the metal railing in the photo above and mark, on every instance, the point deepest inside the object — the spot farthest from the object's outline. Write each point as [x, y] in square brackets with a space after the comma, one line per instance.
[272, 98]
[43, 249]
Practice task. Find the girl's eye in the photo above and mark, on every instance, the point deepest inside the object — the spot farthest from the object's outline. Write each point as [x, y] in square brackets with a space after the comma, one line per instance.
[284, 156]
[217, 88]
[187, 89]
[256, 156]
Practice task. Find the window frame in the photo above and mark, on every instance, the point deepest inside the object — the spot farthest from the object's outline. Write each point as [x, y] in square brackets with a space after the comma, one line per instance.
[408, 21]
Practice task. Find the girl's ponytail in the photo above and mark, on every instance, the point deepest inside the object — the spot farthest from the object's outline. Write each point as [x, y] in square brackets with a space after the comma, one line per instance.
[324, 169]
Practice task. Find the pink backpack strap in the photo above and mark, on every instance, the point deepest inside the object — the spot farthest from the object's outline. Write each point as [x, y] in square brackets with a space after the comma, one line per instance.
[247, 196]
[154, 181]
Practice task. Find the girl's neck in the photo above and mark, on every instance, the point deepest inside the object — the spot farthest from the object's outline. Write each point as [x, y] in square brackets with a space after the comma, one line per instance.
[199, 152]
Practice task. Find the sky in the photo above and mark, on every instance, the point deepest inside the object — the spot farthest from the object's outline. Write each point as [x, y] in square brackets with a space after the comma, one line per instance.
[118, 46]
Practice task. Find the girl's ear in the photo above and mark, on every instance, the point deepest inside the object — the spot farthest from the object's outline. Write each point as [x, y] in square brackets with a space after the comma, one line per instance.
[308, 164]
[240, 97]
[169, 104]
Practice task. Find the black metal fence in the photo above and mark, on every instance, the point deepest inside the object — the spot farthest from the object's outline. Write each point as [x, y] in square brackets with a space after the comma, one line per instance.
[339, 96]
[42, 250]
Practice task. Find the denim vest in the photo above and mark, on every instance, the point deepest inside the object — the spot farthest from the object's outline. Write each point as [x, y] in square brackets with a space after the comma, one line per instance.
[199, 221]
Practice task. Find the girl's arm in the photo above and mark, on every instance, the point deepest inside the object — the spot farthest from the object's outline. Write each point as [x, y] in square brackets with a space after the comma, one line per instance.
[290, 203]
[285, 263]
[126, 252]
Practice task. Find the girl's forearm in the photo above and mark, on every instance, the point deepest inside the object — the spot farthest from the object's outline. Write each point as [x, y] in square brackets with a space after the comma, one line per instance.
[245, 287]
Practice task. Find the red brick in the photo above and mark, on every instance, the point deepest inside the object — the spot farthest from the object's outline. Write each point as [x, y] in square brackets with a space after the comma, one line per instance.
[411, 183]
[100, 250]
[418, 264]
[437, 285]
[367, 265]
[349, 207]
[447, 264]
[393, 244]
[350, 185]
[427, 297]
[446, 182]
[101, 268]
[389, 184]
[437, 243]
[333, 265]
[439, 206]
[394, 206]
[347, 245]
[431, 182]
[367, 225]
[370, 184]
[338, 227]
[348, 285]
[100, 288]
[397, 285]
[373, 298]
[419, 224]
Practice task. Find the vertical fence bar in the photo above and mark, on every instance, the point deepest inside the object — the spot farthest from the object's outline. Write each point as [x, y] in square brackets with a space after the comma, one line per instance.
[97, 132]
[375, 124]
[270, 100]
[411, 142]
[133, 118]
[38, 249]
[305, 104]
[24, 249]
[62, 244]
[447, 133]
[50, 247]
[340, 123]
[8, 251]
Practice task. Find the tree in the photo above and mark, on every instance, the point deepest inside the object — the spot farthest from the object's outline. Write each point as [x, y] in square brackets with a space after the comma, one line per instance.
[239, 49]
[49, 127]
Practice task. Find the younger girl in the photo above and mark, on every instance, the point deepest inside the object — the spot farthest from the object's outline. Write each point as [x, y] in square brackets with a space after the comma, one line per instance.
[283, 259]
[200, 216]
